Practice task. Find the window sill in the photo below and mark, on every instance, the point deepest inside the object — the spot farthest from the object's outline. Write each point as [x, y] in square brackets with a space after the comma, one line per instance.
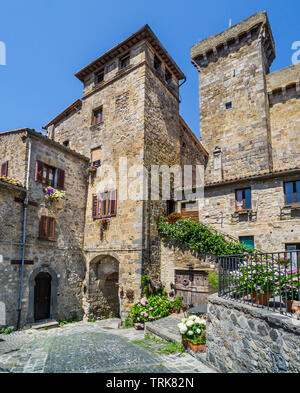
[293, 206]
[244, 211]
[95, 126]
[47, 240]
[104, 218]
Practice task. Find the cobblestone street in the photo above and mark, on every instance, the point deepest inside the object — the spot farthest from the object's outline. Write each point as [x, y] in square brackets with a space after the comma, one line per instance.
[90, 347]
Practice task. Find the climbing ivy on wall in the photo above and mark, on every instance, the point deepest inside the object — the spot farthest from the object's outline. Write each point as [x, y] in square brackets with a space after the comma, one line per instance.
[198, 236]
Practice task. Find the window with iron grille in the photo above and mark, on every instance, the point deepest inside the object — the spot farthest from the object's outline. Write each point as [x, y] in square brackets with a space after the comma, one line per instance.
[47, 228]
[104, 206]
[243, 199]
[292, 192]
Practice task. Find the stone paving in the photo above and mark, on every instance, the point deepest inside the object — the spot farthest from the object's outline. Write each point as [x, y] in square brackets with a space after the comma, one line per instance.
[89, 347]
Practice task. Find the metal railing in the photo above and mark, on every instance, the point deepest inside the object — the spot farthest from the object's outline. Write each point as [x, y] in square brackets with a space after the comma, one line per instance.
[266, 280]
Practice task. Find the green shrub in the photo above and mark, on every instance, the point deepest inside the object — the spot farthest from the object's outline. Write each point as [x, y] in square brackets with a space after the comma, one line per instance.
[6, 330]
[199, 237]
[213, 280]
[177, 303]
[150, 309]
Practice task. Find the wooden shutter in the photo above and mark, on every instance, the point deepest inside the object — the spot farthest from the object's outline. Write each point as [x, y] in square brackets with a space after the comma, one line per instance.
[4, 169]
[95, 206]
[47, 228]
[113, 203]
[39, 169]
[51, 228]
[60, 179]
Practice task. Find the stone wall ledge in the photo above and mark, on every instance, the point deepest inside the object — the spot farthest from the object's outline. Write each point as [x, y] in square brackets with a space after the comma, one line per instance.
[274, 319]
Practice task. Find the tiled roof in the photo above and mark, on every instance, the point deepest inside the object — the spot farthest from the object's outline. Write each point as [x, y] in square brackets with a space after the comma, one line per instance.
[257, 175]
[11, 181]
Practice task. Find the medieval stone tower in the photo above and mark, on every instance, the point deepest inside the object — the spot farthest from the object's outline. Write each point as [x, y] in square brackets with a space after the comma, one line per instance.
[234, 123]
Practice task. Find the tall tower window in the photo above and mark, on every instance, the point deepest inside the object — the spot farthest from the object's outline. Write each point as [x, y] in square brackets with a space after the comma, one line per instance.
[125, 61]
[157, 63]
[97, 116]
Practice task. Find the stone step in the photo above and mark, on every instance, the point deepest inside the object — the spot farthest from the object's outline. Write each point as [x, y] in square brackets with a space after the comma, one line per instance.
[43, 325]
[164, 329]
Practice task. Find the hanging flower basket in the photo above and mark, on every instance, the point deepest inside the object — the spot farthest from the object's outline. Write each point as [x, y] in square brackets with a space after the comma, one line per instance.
[92, 169]
[52, 194]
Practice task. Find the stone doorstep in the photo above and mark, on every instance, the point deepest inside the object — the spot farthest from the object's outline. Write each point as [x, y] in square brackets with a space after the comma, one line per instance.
[46, 324]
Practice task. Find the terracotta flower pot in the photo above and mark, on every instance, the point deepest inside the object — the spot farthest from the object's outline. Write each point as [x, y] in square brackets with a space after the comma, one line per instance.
[261, 299]
[197, 348]
[293, 306]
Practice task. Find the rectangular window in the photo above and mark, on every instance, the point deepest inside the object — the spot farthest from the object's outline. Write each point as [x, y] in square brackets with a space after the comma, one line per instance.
[66, 143]
[168, 77]
[243, 199]
[292, 192]
[293, 255]
[96, 157]
[228, 105]
[125, 61]
[171, 207]
[105, 206]
[247, 241]
[99, 76]
[157, 63]
[49, 176]
[97, 116]
[4, 169]
[47, 228]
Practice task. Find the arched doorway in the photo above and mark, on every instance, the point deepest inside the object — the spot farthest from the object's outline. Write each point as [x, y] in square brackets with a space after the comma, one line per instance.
[42, 296]
[103, 293]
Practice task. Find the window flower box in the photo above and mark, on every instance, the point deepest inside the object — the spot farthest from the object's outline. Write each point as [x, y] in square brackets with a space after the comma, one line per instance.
[52, 194]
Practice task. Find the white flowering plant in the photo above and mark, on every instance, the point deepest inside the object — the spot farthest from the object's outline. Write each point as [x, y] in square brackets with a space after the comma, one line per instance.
[193, 329]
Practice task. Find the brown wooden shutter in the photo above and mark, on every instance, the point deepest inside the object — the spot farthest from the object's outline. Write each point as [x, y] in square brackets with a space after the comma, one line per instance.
[39, 169]
[43, 222]
[95, 206]
[60, 179]
[4, 169]
[113, 203]
[51, 228]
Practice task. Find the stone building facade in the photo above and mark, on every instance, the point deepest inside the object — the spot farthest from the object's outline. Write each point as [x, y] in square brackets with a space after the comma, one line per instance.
[125, 126]
[250, 125]
[58, 260]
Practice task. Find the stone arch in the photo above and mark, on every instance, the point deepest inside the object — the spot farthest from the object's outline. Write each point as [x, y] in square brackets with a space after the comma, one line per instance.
[53, 298]
[103, 286]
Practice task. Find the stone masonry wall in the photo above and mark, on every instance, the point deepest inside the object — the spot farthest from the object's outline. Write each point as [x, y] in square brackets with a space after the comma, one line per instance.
[241, 132]
[175, 256]
[245, 339]
[63, 257]
[270, 222]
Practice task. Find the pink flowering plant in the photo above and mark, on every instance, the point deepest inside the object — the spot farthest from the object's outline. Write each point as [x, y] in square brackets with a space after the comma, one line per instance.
[262, 274]
[149, 309]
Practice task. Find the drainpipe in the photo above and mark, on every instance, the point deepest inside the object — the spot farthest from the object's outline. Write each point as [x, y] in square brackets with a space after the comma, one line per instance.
[25, 204]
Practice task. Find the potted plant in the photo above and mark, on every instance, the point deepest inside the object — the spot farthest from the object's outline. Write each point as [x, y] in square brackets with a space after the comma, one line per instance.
[177, 304]
[193, 333]
[92, 169]
[52, 194]
[288, 290]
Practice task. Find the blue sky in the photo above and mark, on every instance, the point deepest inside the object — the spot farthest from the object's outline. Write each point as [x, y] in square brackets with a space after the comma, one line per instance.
[47, 41]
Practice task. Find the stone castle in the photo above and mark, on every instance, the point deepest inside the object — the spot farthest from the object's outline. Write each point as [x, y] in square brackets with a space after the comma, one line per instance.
[84, 255]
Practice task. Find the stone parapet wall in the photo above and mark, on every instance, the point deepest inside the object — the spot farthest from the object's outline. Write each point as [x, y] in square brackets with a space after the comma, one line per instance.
[243, 338]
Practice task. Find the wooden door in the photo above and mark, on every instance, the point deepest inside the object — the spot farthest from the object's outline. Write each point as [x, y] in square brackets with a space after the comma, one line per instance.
[192, 286]
[42, 296]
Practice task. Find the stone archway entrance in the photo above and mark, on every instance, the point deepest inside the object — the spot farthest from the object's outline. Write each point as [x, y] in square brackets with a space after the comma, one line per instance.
[42, 296]
[103, 291]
